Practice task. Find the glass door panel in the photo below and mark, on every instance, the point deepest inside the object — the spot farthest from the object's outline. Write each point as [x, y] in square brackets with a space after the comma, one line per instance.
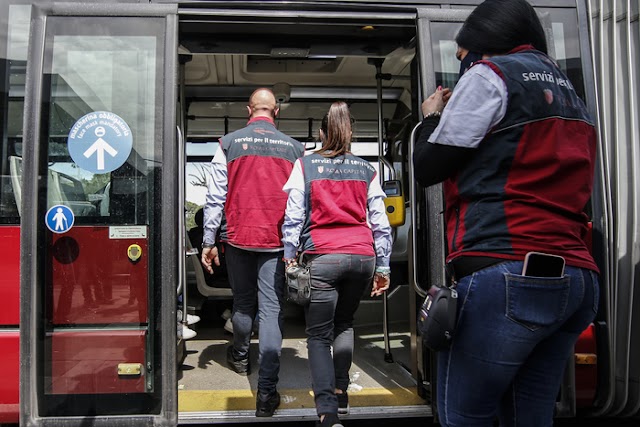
[99, 145]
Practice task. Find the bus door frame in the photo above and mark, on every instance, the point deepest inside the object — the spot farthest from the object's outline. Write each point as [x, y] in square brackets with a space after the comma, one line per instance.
[604, 247]
[31, 320]
[434, 205]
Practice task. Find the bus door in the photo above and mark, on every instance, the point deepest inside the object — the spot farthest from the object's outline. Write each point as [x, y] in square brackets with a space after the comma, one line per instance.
[568, 41]
[438, 66]
[99, 207]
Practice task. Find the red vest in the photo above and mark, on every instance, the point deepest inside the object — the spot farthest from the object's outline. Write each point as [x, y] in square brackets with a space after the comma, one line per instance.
[259, 161]
[530, 179]
[336, 191]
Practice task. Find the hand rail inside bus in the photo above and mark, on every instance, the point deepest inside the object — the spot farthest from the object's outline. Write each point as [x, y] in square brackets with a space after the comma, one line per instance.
[181, 227]
[412, 196]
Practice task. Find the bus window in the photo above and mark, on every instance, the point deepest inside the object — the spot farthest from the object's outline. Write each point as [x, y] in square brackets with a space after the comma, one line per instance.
[561, 26]
[445, 64]
[564, 43]
[199, 155]
[74, 93]
[76, 90]
[12, 104]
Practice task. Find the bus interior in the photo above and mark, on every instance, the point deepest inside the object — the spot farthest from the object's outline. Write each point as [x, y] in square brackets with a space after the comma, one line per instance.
[370, 64]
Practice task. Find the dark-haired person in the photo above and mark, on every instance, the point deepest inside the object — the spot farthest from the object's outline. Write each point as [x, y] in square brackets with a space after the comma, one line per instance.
[516, 150]
[248, 172]
[335, 215]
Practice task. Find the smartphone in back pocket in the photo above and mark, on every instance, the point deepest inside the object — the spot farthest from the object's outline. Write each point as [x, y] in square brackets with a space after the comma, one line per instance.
[538, 264]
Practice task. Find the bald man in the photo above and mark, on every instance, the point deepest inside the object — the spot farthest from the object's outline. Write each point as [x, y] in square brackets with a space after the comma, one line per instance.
[248, 172]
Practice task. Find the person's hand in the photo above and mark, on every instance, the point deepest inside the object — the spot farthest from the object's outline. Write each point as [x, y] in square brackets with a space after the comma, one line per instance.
[289, 262]
[209, 255]
[436, 102]
[380, 284]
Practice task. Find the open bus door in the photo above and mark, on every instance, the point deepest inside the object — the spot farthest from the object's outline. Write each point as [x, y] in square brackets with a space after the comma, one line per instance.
[98, 171]
[438, 66]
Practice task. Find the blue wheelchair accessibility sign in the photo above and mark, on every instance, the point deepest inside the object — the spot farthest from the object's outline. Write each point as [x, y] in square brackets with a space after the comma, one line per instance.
[59, 219]
[100, 142]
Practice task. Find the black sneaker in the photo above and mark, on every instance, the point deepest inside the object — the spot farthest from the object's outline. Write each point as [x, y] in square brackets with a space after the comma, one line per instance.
[330, 420]
[241, 367]
[266, 403]
[343, 403]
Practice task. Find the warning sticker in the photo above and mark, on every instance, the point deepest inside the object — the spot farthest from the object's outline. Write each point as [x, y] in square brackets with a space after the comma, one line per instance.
[128, 232]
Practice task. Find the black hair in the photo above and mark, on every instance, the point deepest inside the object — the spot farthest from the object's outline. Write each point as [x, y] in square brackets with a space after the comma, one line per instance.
[498, 26]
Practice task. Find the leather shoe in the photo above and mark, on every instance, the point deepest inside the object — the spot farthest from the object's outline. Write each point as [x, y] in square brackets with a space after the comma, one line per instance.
[266, 403]
[343, 403]
[241, 367]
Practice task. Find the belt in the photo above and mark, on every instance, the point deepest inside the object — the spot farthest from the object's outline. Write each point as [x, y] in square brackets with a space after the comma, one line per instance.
[466, 265]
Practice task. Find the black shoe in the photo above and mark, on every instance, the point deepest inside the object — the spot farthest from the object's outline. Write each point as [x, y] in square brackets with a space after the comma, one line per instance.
[330, 420]
[343, 403]
[241, 367]
[266, 403]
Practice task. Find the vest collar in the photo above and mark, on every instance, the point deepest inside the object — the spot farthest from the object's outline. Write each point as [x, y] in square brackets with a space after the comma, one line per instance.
[522, 48]
[261, 118]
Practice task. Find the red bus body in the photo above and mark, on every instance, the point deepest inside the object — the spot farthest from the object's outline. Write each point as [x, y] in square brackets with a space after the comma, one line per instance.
[9, 318]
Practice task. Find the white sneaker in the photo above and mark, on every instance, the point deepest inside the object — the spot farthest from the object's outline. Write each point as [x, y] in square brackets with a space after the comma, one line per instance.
[191, 318]
[228, 326]
[187, 333]
[226, 315]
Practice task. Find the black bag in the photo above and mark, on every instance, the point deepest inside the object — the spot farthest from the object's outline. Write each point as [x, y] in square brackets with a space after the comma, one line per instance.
[298, 284]
[438, 317]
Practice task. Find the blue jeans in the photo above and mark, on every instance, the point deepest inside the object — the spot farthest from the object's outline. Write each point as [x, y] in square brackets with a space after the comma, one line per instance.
[257, 283]
[337, 284]
[513, 339]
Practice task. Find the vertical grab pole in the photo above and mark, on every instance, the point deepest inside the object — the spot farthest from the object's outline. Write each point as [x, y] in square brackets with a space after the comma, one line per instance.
[377, 62]
[181, 198]
[182, 282]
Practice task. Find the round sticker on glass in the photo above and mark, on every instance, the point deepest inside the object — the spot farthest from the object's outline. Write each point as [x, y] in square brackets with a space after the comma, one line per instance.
[100, 142]
[59, 219]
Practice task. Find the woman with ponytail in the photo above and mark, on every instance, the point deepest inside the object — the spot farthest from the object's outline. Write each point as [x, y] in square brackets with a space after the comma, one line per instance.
[336, 218]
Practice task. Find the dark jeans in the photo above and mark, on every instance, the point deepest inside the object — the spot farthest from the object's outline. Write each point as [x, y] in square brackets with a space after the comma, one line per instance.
[337, 284]
[257, 282]
[514, 337]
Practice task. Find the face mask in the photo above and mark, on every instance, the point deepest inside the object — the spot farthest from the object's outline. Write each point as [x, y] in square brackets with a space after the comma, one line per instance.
[468, 61]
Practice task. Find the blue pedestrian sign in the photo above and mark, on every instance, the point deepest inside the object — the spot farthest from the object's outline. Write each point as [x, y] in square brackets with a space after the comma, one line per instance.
[59, 219]
[100, 142]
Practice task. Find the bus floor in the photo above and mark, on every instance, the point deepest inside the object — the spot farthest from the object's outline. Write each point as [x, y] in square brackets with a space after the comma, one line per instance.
[208, 388]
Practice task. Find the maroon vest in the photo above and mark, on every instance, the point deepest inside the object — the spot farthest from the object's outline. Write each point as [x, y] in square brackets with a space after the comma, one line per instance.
[531, 177]
[336, 191]
[259, 161]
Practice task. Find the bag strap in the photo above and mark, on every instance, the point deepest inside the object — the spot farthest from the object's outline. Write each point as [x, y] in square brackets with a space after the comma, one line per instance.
[450, 276]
